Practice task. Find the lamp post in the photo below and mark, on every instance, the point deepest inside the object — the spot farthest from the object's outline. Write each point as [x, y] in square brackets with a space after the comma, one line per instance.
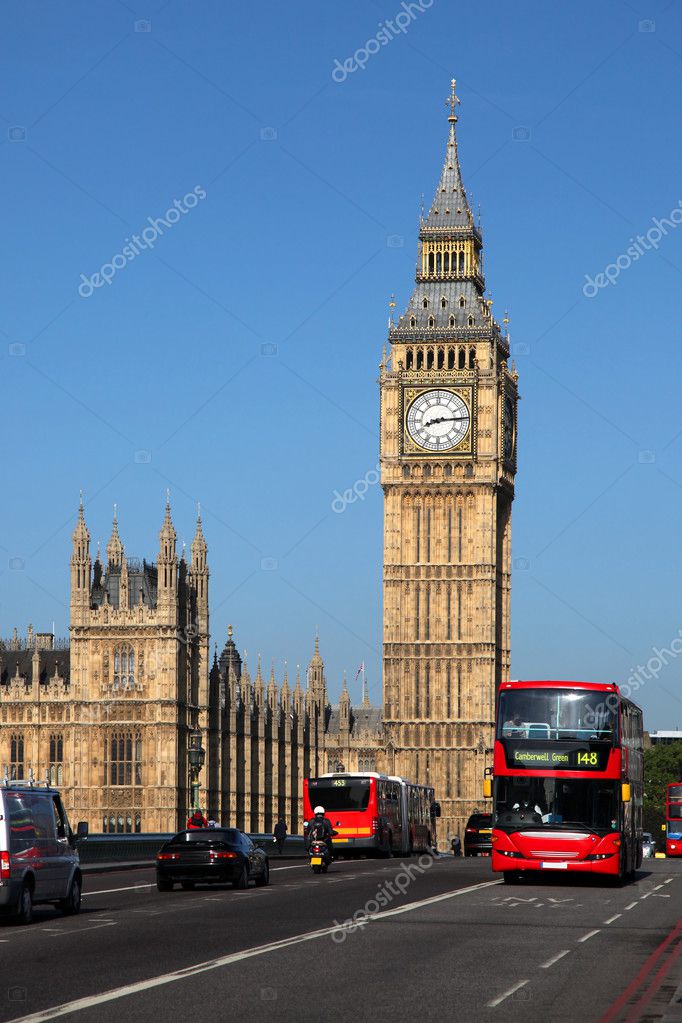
[196, 756]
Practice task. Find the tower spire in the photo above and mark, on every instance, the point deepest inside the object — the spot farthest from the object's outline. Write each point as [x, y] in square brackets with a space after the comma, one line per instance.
[115, 546]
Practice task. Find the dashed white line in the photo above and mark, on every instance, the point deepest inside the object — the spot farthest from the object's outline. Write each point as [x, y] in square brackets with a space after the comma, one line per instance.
[632, 905]
[668, 881]
[555, 959]
[590, 934]
[511, 991]
[612, 918]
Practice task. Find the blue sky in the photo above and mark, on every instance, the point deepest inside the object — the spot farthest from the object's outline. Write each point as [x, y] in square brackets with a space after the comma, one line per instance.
[236, 360]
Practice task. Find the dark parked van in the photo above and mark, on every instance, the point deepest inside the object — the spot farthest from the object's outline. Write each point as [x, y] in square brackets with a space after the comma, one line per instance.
[38, 856]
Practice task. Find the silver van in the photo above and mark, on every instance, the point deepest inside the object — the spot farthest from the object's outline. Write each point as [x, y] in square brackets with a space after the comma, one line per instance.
[38, 855]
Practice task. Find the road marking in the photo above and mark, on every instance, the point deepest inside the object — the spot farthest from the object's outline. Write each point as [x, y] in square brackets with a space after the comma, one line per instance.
[590, 934]
[139, 887]
[229, 960]
[511, 991]
[668, 881]
[612, 918]
[632, 905]
[555, 959]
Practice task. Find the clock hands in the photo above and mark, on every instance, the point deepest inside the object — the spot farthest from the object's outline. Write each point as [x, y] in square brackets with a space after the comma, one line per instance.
[443, 419]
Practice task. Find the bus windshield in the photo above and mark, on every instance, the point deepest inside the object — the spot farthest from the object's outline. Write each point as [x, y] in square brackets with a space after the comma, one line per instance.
[523, 802]
[557, 714]
[337, 795]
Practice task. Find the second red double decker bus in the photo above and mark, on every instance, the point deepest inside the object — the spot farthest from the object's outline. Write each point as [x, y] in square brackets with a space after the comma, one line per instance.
[568, 780]
[673, 819]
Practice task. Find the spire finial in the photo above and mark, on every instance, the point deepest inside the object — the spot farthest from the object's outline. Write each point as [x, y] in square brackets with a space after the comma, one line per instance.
[229, 632]
[115, 513]
[168, 498]
[81, 499]
[198, 511]
[391, 307]
[452, 101]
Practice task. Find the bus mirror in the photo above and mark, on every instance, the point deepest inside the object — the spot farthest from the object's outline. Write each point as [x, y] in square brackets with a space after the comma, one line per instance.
[625, 792]
[487, 788]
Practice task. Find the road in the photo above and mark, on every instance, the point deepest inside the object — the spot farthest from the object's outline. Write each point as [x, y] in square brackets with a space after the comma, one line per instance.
[447, 941]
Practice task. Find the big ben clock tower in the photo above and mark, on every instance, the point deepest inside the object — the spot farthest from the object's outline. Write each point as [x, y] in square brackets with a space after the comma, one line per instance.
[448, 461]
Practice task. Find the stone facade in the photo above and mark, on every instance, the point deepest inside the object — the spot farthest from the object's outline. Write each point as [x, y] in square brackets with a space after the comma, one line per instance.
[109, 715]
[448, 462]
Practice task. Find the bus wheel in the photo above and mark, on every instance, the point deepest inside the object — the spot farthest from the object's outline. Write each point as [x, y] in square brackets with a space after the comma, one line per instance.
[511, 876]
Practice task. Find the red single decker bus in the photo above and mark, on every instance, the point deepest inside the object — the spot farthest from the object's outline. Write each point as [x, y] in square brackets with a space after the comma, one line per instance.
[673, 819]
[374, 812]
[567, 780]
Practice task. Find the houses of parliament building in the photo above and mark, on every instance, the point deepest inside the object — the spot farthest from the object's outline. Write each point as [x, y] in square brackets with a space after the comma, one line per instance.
[116, 714]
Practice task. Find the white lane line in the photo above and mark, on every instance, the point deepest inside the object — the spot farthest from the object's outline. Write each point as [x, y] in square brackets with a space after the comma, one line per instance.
[229, 960]
[139, 887]
[555, 959]
[590, 934]
[632, 905]
[612, 918]
[511, 991]
[668, 881]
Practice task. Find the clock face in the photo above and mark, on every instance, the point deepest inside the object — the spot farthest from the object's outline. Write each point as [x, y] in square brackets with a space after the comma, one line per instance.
[508, 429]
[438, 420]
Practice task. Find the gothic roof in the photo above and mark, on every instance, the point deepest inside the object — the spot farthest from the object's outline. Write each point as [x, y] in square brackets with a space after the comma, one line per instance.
[10, 660]
[449, 219]
[362, 719]
[142, 584]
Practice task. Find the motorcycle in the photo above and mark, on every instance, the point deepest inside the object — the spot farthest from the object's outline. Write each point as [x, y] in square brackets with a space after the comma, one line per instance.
[319, 857]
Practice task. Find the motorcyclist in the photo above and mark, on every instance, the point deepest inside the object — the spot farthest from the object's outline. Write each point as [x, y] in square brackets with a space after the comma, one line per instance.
[320, 829]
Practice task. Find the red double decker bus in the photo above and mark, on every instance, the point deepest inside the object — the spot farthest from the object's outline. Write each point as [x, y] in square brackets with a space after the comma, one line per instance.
[374, 812]
[567, 780]
[673, 819]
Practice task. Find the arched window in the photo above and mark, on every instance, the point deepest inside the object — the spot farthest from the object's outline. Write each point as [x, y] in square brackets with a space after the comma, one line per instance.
[451, 358]
[471, 321]
[461, 262]
[408, 358]
[461, 359]
[443, 302]
[439, 263]
[425, 303]
[440, 358]
[472, 358]
[123, 759]
[432, 322]
[431, 262]
[124, 667]
[413, 321]
[56, 759]
[452, 321]
[462, 301]
[16, 767]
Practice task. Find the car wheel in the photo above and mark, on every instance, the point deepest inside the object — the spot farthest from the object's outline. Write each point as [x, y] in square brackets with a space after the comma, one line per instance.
[72, 903]
[187, 886]
[265, 877]
[24, 913]
[164, 885]
[243, 880]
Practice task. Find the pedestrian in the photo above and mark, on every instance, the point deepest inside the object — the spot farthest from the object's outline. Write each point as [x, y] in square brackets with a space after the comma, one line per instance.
[280, 835]
[197, 820]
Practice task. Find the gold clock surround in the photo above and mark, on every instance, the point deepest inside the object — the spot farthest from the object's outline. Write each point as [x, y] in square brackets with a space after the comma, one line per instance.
[466, 448]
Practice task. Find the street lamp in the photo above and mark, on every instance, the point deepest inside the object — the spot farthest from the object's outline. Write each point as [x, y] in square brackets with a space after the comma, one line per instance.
[196, 756]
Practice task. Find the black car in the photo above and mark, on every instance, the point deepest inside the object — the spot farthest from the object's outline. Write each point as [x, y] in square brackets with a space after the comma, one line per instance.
[210, 856]
[478, 835]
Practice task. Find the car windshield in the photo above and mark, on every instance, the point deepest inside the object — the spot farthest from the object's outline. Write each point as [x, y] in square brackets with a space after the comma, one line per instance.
[557, 714]
[340, 794]
[555, 803]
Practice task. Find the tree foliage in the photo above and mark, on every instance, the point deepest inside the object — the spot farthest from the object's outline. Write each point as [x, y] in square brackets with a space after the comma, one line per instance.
[662, 764]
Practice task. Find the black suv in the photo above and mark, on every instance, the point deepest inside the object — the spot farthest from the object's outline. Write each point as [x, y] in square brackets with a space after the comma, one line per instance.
[478, 835]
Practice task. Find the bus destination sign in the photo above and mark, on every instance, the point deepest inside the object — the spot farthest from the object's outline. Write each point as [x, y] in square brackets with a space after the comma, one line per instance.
[556, 756]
